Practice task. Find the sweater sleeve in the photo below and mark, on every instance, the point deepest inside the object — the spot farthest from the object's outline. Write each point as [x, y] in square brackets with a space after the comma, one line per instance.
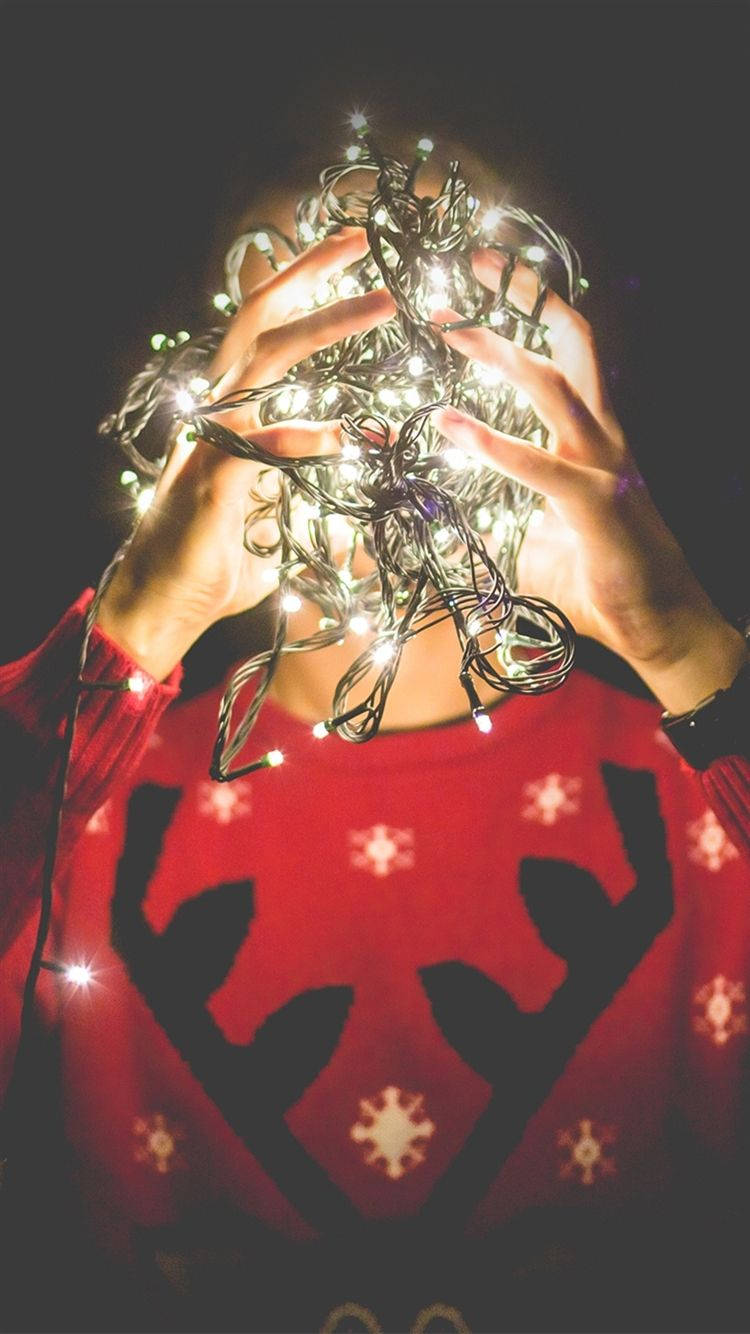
[726, 784]
[112, 731]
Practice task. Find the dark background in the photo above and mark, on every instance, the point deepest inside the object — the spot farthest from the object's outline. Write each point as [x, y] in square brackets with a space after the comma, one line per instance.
[132, 133]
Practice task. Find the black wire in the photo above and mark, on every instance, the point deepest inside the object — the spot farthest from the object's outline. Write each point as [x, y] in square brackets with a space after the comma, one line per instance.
[406, 508]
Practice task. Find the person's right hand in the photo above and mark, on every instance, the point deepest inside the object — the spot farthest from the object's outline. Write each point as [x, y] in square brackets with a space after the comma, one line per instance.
[186, 566]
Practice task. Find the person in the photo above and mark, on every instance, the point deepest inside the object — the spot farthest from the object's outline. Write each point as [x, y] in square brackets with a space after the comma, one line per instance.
[383, 1037]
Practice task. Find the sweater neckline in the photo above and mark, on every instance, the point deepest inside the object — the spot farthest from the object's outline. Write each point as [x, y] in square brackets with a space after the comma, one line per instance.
[413, 747]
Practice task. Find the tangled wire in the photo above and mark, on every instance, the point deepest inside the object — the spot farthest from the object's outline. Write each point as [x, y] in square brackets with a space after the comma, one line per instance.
[421, 512]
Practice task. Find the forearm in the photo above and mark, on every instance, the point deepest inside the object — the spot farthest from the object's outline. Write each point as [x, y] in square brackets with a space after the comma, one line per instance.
[708, 654]
[112, 730]
[711, 659]
[147, 627]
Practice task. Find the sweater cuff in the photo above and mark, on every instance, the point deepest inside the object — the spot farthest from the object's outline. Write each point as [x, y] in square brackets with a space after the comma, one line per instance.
[113, 725]
[726, 784]
[40, 683]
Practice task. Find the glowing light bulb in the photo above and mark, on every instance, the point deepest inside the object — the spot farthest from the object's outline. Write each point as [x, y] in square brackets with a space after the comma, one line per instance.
[322, 294]
[358, 121]
[359, 625]
[326, 623]
[306, 233]
[497, 317]
[522, 399]
[350, 451]
[499, 530]
[489, 376]
[290, 602]
[349, 472]
[348, 285]
[223, 302]
[455, 458]
[269, 576]
[274, 758]
[383, 653]
[584, 284]
[182, 336]
[536, 518]
[300, 399]
[353, 152]
[535, 253]
[330, 395]
[199, 384]
[185, 401]
[320, 730]
[159, 341]
[186, 437]
[137, 683]
[415, 366]
[262, 242]
[482, 720]
[284, 401]
[425, 146]
[413, 398]
[388, 397]
[437, 276]
[79, 974]
[128, 477]
[491, 219]
[380, 217]
[483, 518]
[338, 526]
[144, 499]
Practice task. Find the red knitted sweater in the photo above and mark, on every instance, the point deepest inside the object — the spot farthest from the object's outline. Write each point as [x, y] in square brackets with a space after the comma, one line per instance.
[444, 975]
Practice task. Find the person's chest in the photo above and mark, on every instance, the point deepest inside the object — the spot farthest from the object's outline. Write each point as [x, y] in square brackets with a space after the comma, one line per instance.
[452, 983]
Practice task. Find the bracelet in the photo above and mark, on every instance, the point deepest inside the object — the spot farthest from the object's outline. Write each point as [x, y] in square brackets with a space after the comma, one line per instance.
[719, 725]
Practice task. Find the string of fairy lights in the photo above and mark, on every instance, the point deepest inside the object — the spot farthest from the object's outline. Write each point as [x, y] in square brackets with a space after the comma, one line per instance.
[441, 532]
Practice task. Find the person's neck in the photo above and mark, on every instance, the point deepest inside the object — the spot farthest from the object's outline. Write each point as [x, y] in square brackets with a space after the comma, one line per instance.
[425, 693]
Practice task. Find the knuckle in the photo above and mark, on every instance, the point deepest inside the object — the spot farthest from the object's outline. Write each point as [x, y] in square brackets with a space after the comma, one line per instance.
[265, 342]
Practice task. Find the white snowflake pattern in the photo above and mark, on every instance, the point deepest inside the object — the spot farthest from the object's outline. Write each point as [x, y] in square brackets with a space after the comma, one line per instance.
[709, 845]
[392, 1132]
[550, 798]
[382, 849]
[720, 1001]
[99, 822]
[586, 1158]
[224, 801]
[156, 1142]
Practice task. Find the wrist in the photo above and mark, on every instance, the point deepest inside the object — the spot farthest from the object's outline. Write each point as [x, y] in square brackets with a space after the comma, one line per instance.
[708, 654]
[146, 627]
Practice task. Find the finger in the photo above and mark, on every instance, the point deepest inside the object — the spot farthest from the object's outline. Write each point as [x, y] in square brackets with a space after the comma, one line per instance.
[558, 479]
[570, 336]
[273, 301]
[576, 431]
[230, 476]
[299, 439]
[276, 349]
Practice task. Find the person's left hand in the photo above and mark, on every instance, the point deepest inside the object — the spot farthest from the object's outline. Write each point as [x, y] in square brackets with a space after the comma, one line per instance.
[602, 552]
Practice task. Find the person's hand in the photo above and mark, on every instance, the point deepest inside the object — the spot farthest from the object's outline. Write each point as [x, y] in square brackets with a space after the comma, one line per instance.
[602, 552]
[186, 566]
